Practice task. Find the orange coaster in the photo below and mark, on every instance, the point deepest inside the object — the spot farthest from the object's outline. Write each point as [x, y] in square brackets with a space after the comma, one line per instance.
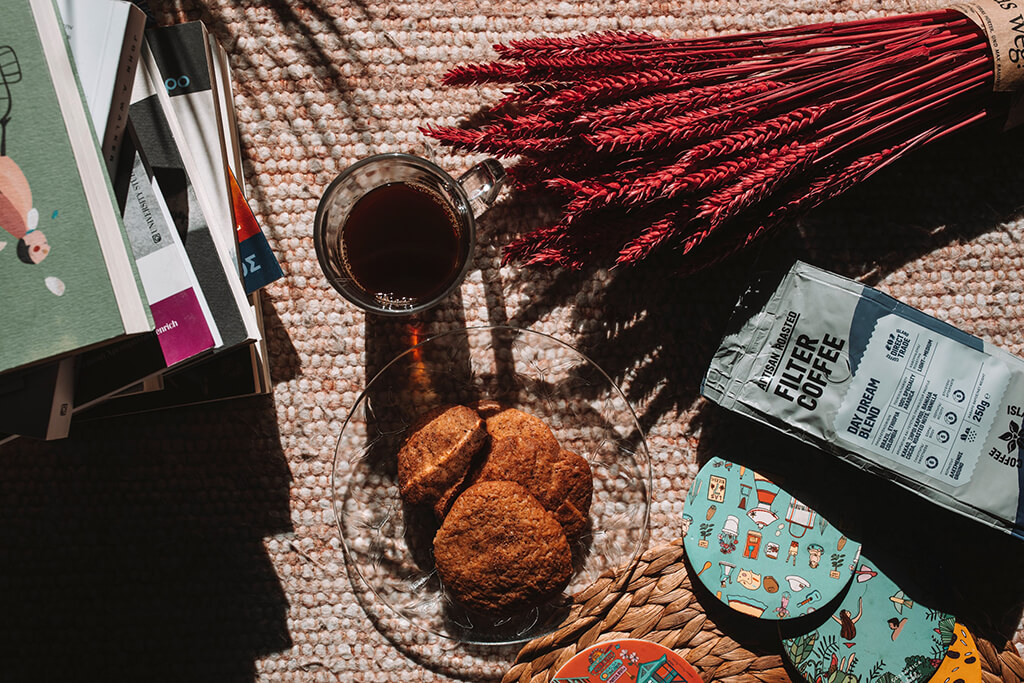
[961, 664]
[641, 661]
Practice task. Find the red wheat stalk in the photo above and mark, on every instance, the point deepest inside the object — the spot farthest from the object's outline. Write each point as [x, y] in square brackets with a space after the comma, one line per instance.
[703, 124]
[663, 183]
[699, 147]
[662, 105]
[653, 237]
[779, 165]
[553, 46]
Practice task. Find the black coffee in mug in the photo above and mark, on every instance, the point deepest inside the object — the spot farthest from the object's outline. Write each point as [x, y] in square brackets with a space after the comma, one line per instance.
[401, 241]
[394, 233]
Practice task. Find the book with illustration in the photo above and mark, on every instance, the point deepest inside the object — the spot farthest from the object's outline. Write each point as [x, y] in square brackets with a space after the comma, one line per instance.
[105, 53]
[66, 267]
[179, 163]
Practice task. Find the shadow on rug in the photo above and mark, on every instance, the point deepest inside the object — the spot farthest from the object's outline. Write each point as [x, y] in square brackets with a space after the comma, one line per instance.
[134, 550]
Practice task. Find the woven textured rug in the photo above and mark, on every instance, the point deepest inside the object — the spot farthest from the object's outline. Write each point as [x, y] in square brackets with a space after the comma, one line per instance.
[654, 599]
[201, 544]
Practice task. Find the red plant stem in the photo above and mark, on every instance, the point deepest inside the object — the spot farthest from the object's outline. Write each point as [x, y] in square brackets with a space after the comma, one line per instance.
[616, 86]
[785, 125]
[594, 41]
[558, 169]
[893, 118]
[657, 234]
[862, 29]
[729, 201]
[824, 189]
[626, 41]
[528, 96]
[869, 98]
[673, 131]
[668, 181]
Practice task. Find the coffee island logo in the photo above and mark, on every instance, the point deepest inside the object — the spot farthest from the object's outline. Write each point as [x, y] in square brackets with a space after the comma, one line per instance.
[1012, 437]
[1013, 440]
[897, 344]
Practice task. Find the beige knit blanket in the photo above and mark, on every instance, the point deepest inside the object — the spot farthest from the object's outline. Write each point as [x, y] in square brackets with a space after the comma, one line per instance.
[201, 544]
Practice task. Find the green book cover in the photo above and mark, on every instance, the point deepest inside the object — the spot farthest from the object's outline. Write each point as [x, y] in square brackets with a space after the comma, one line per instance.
[67, 277]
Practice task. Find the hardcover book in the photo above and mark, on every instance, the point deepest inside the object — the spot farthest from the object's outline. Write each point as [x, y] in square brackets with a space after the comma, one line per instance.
[105, 38]
[239, 372]
[192, 63]
[259, 264]
[65, 264]
[182, 56]
[250, 235]
[184, 324]
[171, 162]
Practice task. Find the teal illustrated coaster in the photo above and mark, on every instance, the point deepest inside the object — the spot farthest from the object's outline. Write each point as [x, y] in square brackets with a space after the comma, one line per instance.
[878, 633]
[760, 550]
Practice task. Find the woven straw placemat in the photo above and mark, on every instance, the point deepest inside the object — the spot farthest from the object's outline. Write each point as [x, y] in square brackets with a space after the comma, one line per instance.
[654, 600]
[201, 544]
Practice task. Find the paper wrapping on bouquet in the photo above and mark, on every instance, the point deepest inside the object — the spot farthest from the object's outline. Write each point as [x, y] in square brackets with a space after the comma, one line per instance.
[259, 265]
[769, 555]
[1003, 23]
[882, 386]
[877, 629]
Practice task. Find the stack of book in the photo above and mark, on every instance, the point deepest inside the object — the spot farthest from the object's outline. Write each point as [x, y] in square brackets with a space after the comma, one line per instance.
[131, 262]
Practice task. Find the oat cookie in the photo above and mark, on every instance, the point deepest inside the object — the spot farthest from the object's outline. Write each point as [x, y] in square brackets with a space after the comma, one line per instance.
[573, 484]
[524, 450]
[499, 551]
[437, 452]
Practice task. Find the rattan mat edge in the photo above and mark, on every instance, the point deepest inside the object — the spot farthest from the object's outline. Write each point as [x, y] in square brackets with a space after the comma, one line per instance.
[653, 600]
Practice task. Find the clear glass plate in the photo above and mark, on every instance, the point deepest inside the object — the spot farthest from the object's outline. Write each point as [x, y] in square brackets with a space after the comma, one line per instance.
[389, 544]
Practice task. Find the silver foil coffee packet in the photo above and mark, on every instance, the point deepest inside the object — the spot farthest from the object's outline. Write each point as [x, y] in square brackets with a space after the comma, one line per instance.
[882, 386]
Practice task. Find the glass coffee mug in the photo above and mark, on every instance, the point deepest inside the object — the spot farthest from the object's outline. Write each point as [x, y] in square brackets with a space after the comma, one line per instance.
[395, 234]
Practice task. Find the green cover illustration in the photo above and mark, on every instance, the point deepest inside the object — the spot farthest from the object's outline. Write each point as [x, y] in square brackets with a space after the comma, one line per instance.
[58, 295]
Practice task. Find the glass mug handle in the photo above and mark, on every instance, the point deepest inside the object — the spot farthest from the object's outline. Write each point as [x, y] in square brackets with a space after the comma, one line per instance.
[482, 183]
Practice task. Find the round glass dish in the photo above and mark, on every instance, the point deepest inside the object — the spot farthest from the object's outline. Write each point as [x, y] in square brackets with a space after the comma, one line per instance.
[389, 545]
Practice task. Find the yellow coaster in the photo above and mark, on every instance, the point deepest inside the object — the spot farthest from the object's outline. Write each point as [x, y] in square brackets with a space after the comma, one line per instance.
[961, 664]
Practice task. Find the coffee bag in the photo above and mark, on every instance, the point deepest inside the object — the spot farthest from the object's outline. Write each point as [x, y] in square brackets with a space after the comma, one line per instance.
[882, 386]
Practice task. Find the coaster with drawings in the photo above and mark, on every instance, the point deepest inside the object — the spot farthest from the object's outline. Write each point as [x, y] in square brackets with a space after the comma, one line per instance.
[878, 633]
[654, 599]
[760, 550]
[624, 661]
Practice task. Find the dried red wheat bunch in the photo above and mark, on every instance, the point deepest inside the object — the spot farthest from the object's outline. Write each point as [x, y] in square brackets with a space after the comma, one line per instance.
[701, 146]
